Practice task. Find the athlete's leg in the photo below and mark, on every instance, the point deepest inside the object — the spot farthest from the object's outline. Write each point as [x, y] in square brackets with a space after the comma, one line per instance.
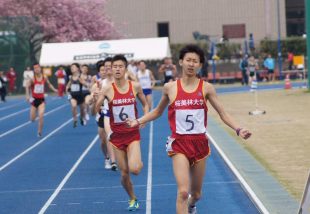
[33, 113]
[103, 144]
[73, 108]
[41, 109]
[149, 100]
[107, 128]
[197, 174]
[181, 172]
[82, 113]
[121, 157]
[134, 158]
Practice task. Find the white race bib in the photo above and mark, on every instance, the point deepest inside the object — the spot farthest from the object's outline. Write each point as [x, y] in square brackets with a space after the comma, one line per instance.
[121, 113]
[190, 121]
[168, 73]
[38, 89]
[75, 87]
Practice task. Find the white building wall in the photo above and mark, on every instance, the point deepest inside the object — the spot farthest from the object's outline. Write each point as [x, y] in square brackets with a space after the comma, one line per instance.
[139, 18]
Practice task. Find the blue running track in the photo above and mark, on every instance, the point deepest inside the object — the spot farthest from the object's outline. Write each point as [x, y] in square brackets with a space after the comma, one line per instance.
[63, 171]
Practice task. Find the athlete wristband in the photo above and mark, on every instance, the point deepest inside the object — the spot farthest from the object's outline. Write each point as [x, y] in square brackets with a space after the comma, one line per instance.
[138, 122]
[238, 131]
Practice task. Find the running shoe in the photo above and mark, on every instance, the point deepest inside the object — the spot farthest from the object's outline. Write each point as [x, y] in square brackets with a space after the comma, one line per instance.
[133, 205]
[107, 163]
[113, 166]
[74, 124]
[86, 116]
[83, 122]
[39, 134]
[192, 209]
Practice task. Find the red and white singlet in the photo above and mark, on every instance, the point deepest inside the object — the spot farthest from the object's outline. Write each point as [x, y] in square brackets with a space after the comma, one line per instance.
[121, 107]
[37, 88]
[187, 114]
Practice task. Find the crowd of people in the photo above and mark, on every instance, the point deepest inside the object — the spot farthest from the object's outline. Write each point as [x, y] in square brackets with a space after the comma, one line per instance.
[111, 96]
[249, 66]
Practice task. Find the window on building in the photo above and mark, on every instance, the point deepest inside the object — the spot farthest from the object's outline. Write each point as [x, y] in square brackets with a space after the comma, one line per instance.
[163, 29]
[295, 17]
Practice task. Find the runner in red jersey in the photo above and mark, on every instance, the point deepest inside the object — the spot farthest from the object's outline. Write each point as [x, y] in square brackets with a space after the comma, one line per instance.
[187, 112]
[121, 95]
[37, 87]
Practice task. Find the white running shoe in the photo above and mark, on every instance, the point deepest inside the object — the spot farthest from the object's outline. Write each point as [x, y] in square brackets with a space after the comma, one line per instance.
[107, 163]
[86, 116]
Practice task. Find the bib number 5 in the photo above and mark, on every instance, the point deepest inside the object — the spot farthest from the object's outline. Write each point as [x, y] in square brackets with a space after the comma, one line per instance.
[190, 121]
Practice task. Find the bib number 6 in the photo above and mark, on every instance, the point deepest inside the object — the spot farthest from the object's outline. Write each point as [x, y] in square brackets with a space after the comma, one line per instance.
[122, 115]
[190, 121]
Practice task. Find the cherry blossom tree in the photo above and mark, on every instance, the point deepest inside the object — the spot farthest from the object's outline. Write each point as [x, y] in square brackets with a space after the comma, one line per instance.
[37, 21]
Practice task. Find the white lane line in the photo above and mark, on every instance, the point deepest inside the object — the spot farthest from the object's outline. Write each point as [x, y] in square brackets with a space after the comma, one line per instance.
[25, 124]
[16, 113]
[111, 187]
[33, 146]
[10, 106]
[66, 178]
[149, 173]
[244, 184]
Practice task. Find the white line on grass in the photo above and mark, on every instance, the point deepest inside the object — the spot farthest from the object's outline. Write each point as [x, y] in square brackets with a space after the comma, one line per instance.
[16, 113]
[66, 178]
[24, 124]
[33, 146]
[245, 185]
[149, 173]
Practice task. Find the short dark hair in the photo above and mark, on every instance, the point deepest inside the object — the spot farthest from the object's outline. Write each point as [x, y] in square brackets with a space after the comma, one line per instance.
[85, 65]
[192, 49]
[120, 57]
[108, 59]
[76, 64]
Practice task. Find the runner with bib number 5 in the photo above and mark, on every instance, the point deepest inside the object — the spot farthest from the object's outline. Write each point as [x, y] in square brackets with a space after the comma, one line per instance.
[121, 95]
[187, 113]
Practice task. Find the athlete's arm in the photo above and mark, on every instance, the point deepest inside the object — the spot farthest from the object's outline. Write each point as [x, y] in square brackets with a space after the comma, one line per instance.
[99, 98]
[68, 85]
[152, 79]
[225, 117]
[157, 112]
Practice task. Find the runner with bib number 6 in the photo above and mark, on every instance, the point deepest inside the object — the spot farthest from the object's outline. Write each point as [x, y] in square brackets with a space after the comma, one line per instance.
[121, 95]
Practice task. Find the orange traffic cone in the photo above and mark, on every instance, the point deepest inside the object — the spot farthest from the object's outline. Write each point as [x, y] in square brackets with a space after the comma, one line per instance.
[288, 84]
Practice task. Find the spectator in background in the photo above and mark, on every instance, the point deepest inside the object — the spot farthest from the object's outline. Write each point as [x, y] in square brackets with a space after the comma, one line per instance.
[243, 65]
[133, 67]
[290, 58]
[3, 82]
[168, 69]
[147, 82]
[61, 80]
[28, 75]
[11, 75]
[252, 68]
[269, 63]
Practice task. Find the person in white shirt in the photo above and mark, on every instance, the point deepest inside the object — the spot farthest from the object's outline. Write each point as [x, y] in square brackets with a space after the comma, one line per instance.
[147, 81]
[28, 75]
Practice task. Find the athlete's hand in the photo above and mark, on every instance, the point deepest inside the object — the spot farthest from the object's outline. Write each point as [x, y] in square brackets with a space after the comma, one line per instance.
[131, 123]
[244, 133]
